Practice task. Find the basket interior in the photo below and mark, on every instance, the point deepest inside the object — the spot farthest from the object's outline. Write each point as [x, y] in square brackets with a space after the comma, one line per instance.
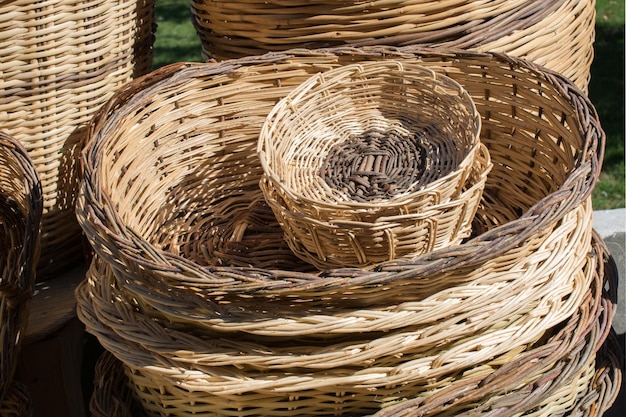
[349, 106]
[183, 162]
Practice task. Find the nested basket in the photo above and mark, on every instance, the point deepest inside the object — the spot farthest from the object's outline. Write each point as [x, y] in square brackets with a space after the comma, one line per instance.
[558, 34]
[559, 374]
[60, 61]
[20, 216]
[372, 162]
[155, 215]
[171, 168]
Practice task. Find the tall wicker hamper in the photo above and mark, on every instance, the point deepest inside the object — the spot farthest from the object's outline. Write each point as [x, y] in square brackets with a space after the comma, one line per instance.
[20, 215]
[155, 218]
[558, 34]
[60, 61]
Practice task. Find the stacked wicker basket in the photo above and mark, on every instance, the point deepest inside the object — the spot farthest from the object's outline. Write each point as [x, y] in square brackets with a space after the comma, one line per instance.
[373, 162]
[558, 34]
[197, 295]
[60, 61]
[21, 206]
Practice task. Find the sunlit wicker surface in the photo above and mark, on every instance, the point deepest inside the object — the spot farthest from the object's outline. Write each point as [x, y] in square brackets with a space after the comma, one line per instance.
[20, 216]
[152, 217]
[60, 61]
[558, 34]
[373, 162]
[155, 217]
[574, 369]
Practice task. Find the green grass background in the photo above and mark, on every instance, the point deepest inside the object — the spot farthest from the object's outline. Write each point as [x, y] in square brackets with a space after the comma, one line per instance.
[176, 41]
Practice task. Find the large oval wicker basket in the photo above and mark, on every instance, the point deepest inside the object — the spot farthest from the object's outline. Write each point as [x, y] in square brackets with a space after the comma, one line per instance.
[558, 34]
[372, 162]
[60, 61]
[171, 173]
[20, 216]
[574, 369]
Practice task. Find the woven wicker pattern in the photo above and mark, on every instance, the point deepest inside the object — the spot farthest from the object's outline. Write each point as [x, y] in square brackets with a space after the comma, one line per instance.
[345, 340]
[372, 162]
[20, 216]
[552, 148]
[558, 34]
[60, 61]
[564, 373]
[16, 402]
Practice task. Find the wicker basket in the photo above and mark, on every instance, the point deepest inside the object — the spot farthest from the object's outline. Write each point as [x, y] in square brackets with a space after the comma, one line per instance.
[373, 162]
[153, 217]
[60, 61]
[558, 34]
[557, 375]
[20, 217]
[447, 311]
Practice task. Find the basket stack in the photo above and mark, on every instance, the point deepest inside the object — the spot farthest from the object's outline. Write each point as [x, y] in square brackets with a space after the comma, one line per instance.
[197, 295]
[558, 34]
[60, 61]
[373, 162]
[20, 216]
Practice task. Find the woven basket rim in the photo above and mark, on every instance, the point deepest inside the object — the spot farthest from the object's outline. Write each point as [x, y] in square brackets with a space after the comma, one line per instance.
[264, 147]
[500, 239]
[590, 326]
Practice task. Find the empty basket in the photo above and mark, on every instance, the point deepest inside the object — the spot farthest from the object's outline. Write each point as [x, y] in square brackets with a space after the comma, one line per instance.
[170, 148]
[372, 162]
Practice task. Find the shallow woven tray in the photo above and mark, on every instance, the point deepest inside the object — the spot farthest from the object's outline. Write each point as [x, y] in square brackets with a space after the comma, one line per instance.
[406, 165]
[558, 34]
[20, 216]
[60, 61]
[558, 375]
[145, 213]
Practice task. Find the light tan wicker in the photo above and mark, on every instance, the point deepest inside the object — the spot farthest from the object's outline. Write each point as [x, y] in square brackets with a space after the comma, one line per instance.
[201, 123]
[60, 61]
[554, 376]
[170, 147]
[373, 162]
[20, 217]
[328, 238]
[558, 34]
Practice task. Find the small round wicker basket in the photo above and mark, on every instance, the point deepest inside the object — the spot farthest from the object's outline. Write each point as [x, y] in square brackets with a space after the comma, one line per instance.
[21, 205]
[372, 162]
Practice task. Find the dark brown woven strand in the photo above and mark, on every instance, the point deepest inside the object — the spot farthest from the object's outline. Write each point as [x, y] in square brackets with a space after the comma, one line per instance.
[375, 166]
[20, 216]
